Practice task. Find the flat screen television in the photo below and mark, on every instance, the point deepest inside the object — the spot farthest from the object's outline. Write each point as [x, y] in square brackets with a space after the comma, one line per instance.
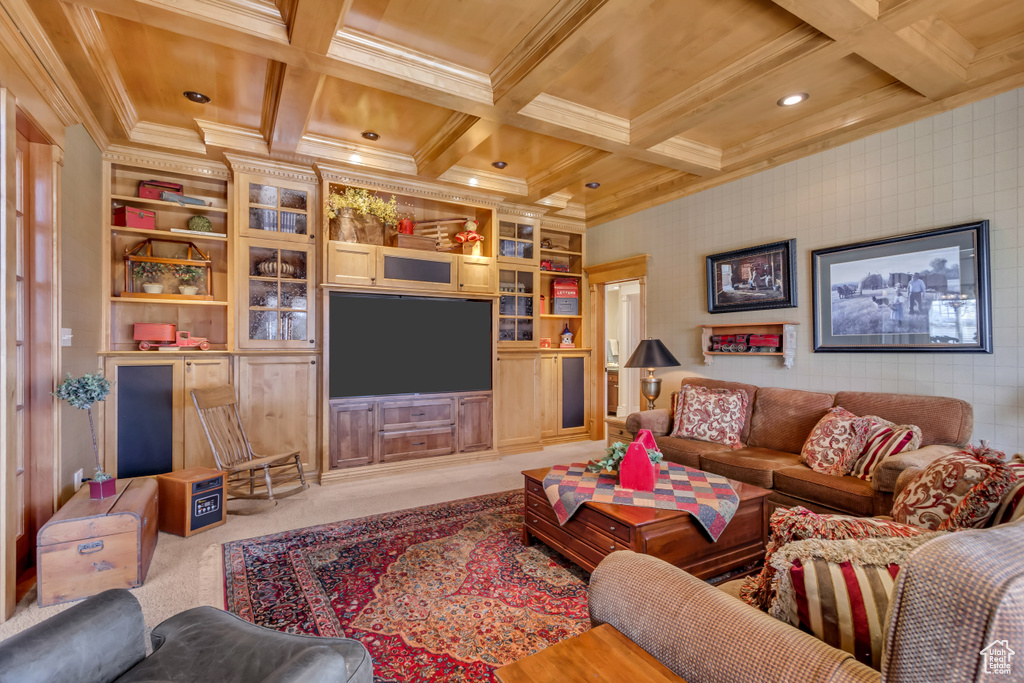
[384, 345]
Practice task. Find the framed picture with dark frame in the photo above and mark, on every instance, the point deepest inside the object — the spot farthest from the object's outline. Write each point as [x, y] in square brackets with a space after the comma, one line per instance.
[926, 291]
[753, 279]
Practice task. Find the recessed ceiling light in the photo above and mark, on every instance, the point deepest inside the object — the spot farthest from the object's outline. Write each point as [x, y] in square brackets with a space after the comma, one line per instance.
[593, 186]
[370, 135]
[499, 164]
[795, 98]
[196, 97]
[355, 158]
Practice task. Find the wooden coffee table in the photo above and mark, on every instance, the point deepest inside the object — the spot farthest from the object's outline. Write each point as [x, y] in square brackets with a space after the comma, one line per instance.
[598, 529]
[601, 655]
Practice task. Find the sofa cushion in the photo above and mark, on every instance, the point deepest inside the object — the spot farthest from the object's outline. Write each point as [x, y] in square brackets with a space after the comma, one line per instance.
[715, 415]
[750, 390]
[686, 451]
[749, 465]
[783, 418]
[942, 420]
[845, 493]
[835, 442]
[882, 439]
[959, 491]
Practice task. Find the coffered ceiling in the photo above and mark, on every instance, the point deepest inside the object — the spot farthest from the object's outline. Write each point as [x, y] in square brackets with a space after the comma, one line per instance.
[653, 99]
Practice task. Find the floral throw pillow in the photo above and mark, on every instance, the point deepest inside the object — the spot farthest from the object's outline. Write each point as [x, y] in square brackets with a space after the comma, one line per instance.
[714, 415]
[882, 439]
[834, 443]
[798, 523]
[958, 491]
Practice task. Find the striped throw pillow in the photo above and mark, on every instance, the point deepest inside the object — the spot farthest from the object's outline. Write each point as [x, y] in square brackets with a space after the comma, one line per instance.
[839, 591]
[882, 440]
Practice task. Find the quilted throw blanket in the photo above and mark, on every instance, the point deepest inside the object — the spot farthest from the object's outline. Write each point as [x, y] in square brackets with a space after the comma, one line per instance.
[709, 498]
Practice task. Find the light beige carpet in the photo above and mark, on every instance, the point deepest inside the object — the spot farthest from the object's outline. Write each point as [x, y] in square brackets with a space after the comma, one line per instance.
[175, 583]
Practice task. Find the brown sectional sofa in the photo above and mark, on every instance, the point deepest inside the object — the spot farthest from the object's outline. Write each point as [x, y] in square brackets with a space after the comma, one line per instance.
[779, 421]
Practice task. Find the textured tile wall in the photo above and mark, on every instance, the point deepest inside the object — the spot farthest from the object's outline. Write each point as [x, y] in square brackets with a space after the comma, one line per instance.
[957, 167]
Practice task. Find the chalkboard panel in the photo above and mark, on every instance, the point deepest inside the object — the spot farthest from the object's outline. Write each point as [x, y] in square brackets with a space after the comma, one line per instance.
[417, 270]
[573, 392]
[144, 420]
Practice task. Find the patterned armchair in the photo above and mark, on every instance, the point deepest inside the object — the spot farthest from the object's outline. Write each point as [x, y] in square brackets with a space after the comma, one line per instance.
[957, 595]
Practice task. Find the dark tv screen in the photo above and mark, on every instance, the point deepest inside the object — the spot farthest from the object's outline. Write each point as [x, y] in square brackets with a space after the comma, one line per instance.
[383, 345]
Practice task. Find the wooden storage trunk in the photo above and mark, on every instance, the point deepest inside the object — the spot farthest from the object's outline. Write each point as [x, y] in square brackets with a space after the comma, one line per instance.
[90, 546]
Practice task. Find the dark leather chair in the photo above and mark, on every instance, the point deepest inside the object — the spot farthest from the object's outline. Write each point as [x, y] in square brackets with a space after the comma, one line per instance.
[102, 640]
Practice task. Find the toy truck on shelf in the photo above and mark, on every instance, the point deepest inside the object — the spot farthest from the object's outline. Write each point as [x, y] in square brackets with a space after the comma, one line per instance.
[165, 336]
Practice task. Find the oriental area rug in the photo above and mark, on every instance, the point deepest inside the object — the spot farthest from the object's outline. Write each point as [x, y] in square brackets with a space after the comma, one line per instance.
[440, 593]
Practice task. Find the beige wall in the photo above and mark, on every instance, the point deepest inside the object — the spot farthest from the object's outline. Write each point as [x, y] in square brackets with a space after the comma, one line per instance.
[960, 166]
[81, 293]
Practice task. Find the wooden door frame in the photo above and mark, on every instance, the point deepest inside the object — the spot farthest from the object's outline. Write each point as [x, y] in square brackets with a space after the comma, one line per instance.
[601, 275]
[43, 171]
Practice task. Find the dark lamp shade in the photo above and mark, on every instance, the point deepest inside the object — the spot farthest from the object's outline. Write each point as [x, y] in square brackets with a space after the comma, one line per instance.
[651, 353]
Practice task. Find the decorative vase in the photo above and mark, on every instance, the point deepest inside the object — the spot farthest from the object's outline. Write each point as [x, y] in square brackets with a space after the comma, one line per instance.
[102, 489]
[152, 288]
[188, 290]
[363, 228]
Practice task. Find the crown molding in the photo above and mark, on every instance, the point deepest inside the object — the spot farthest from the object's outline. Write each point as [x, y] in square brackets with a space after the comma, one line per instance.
[587, 120]
[431, 190]
[86, 26]
[485, 180]
[119, 154]
[233, 137]
[270, 167]
[558, 200]
[690, 151]
[369, 52]
[171, 137]
[333, 149]
[565, 224]
[258, 17]
[521, 210]
[573, 210]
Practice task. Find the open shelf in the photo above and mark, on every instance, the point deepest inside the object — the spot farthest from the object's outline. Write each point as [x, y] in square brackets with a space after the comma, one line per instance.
[167, 206]
[561, 252]
[785, 330]
[555, 315]
[192, 234]
[183, 301]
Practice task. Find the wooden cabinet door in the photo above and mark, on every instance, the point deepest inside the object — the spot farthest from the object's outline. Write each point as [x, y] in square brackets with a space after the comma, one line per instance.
[475, 423]
[276, 295]
[417, 270]
[351, 264]
[277, 402]
[201, 373]
[518, 401]
[352, 426]
[573, 415]
[476, 274]
[550, 396]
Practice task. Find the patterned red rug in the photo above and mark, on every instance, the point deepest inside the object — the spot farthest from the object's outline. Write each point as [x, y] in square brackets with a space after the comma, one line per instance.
[440, 593]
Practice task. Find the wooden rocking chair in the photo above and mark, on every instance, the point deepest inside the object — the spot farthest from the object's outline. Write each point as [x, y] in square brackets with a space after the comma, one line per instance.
[245, 472]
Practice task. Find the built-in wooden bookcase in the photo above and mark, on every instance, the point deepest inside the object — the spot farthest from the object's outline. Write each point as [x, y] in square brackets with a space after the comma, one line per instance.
[561, 257]
[204, 314]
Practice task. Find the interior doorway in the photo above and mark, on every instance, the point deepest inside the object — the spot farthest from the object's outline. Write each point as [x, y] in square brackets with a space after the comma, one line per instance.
[623, 331]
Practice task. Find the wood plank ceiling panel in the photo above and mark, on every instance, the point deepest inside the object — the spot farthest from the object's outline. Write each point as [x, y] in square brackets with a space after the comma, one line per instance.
[636, 68]
[986, 22]
[474, 34]
[345, 109]
[526, 153]
[158, 66]
[615, 174]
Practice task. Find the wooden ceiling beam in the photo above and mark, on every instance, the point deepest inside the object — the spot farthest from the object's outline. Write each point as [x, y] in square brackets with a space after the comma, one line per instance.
[313, 23]
[562, 174]
[656, 185]
[288, 100]
[521, 75]
[459, 135]
[668, 119]
[913, 54]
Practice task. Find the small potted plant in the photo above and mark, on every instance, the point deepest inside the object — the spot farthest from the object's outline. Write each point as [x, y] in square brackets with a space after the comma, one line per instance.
[613, 457]
[361, 215]
[187, 278]
[149, 272]
[82, 392]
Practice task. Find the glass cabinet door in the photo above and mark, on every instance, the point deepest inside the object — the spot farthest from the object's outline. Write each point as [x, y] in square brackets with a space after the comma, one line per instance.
[281, 211]
[278, 295]
[516, 305]
[516, 240]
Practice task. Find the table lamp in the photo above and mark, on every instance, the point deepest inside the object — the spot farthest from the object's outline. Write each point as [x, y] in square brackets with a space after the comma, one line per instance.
[650, 354]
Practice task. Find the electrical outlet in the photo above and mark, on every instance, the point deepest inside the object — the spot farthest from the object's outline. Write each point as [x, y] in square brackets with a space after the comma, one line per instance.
[78, 479]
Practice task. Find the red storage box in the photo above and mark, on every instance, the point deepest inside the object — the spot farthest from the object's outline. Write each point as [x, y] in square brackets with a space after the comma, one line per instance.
[565, 288]
[130, 217]
[764, 340]
[151, 189]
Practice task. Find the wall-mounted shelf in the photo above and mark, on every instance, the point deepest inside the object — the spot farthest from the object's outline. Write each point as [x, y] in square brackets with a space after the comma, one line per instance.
[785, 330]
[166, 206]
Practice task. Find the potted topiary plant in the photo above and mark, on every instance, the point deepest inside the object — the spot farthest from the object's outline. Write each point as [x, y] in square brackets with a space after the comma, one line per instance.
[187, 278]
[149, 272]
[82, 392]
[361, 215]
